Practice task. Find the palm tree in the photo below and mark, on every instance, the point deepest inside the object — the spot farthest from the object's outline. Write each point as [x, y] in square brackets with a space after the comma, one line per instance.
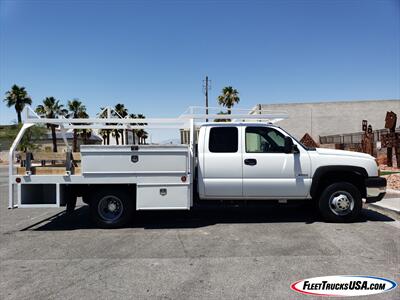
[84, 133]
[105, 132]
[143, 132]
[51, 109]
[17, 97]
[229, 96]
[222, 120]
[133, 116]
[141, 116]
[116, 135]
[145, 136]
[76, 110]
[140, 133]
[122, 112]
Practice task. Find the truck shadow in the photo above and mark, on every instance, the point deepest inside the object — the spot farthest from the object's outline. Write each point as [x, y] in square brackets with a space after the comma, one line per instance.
[200, 217]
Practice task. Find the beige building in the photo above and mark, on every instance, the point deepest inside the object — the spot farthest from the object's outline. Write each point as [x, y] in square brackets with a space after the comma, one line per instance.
[329, 118]
[332, 118]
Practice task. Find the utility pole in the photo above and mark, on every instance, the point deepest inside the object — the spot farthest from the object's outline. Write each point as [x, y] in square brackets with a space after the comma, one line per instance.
[206, 88]
[311, 121]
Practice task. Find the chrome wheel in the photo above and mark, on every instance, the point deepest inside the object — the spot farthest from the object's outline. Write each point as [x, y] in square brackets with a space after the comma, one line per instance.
[110, 208]
[341, 203]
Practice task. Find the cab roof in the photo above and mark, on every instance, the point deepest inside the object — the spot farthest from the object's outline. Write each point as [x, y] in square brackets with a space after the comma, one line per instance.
[229, 124]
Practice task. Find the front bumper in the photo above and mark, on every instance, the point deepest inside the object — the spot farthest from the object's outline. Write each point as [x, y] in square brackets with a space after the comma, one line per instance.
[376, 189]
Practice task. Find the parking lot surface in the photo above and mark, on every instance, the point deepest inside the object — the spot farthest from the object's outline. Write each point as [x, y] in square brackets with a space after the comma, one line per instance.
[213, 253]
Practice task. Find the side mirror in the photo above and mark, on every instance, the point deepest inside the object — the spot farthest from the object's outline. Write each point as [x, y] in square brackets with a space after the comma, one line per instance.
[288, 145]
[296, 149]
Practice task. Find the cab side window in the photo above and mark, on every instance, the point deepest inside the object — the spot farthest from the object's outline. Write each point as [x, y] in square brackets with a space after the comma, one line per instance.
[223, 140]
[264, 140]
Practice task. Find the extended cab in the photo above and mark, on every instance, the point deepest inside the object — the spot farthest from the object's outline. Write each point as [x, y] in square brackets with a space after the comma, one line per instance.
[262, 161]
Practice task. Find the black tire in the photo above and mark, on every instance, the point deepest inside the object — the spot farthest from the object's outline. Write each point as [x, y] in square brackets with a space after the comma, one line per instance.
[340, 202]
[111, 208]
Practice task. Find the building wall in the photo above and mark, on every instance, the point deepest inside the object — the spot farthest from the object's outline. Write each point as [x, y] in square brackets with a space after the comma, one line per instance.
[328, 118]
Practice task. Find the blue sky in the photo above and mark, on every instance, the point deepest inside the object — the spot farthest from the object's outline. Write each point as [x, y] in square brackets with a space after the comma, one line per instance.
[153, 55]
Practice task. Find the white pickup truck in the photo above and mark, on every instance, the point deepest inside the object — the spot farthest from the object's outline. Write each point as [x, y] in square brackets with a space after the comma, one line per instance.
[230, 161]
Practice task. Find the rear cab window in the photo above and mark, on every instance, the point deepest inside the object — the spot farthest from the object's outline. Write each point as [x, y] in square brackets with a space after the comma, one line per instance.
[223, 140]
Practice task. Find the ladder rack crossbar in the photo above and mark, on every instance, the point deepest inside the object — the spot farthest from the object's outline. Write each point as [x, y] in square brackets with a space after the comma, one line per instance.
[115, 121]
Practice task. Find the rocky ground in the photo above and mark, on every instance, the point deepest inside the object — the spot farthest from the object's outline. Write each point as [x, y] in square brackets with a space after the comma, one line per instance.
[393, 179]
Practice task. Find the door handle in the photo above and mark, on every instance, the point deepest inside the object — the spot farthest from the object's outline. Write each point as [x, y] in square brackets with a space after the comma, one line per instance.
[250, 161]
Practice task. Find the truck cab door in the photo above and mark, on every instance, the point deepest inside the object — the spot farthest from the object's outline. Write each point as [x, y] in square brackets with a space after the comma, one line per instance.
[269, 172]
[222, 166]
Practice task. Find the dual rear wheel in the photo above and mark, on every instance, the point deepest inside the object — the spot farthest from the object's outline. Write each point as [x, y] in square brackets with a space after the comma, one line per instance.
[111, 208]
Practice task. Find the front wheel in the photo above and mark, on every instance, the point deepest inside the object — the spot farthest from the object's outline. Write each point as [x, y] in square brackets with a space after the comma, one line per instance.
[111, 208]
[340, 202]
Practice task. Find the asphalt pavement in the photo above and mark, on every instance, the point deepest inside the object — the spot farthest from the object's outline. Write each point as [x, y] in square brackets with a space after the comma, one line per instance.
[214, 253]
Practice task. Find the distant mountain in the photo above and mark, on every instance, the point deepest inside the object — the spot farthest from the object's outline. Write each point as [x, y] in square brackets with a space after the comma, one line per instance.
[7, 136]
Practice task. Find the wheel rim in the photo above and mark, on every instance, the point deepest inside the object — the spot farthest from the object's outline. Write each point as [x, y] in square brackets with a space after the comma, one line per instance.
[110, 208]
[341, 203]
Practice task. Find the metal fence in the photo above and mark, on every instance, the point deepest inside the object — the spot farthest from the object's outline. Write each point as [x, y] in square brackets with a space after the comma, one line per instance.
[352, 138]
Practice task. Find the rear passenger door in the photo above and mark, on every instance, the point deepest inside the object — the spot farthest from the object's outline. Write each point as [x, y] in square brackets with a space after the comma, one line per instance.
[223, 162]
